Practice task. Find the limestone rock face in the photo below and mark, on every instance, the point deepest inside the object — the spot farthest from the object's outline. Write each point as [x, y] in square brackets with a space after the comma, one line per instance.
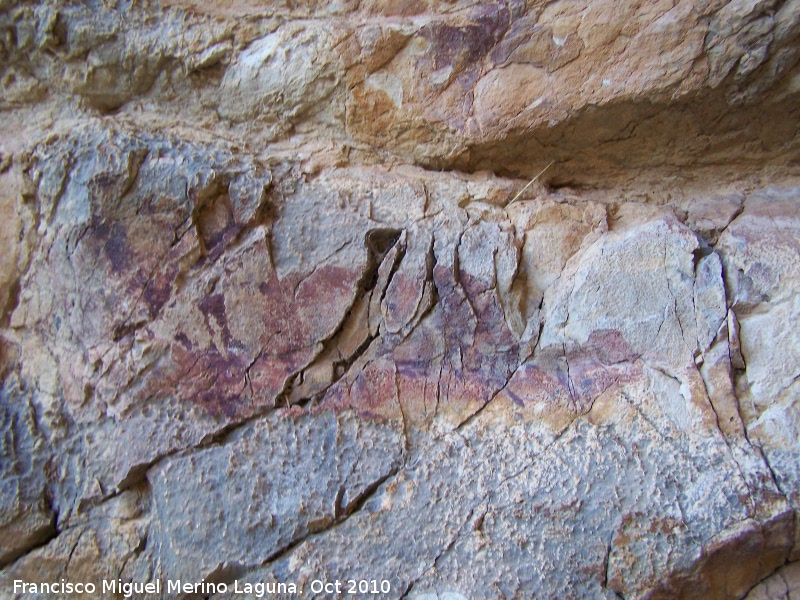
[783, 584]
[282, 300]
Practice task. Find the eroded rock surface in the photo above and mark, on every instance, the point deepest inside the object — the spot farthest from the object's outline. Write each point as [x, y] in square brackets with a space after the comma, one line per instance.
[279, 301]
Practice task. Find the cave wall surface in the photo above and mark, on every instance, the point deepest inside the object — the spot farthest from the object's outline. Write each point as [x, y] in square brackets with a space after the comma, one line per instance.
[280, 301]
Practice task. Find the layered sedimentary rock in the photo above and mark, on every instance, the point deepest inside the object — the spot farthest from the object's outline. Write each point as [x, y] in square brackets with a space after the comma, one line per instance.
[280, 302]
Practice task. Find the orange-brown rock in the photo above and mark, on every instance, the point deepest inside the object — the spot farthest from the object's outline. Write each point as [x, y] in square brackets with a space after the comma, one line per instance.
[471, 299]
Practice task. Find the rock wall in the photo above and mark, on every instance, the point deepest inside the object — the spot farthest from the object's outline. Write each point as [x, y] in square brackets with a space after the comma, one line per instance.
[281, 303]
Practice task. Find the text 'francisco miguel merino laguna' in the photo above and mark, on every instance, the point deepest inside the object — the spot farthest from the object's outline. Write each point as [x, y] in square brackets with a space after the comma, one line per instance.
[132, 589]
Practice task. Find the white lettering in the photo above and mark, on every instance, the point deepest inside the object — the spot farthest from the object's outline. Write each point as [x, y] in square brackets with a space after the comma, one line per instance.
[61, 587]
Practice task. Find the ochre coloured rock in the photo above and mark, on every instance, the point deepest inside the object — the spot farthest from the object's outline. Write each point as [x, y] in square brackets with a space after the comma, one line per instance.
[445, 299]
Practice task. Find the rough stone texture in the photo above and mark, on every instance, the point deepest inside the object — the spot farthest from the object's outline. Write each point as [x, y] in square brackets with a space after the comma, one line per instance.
[279, 301]
[784, 584]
